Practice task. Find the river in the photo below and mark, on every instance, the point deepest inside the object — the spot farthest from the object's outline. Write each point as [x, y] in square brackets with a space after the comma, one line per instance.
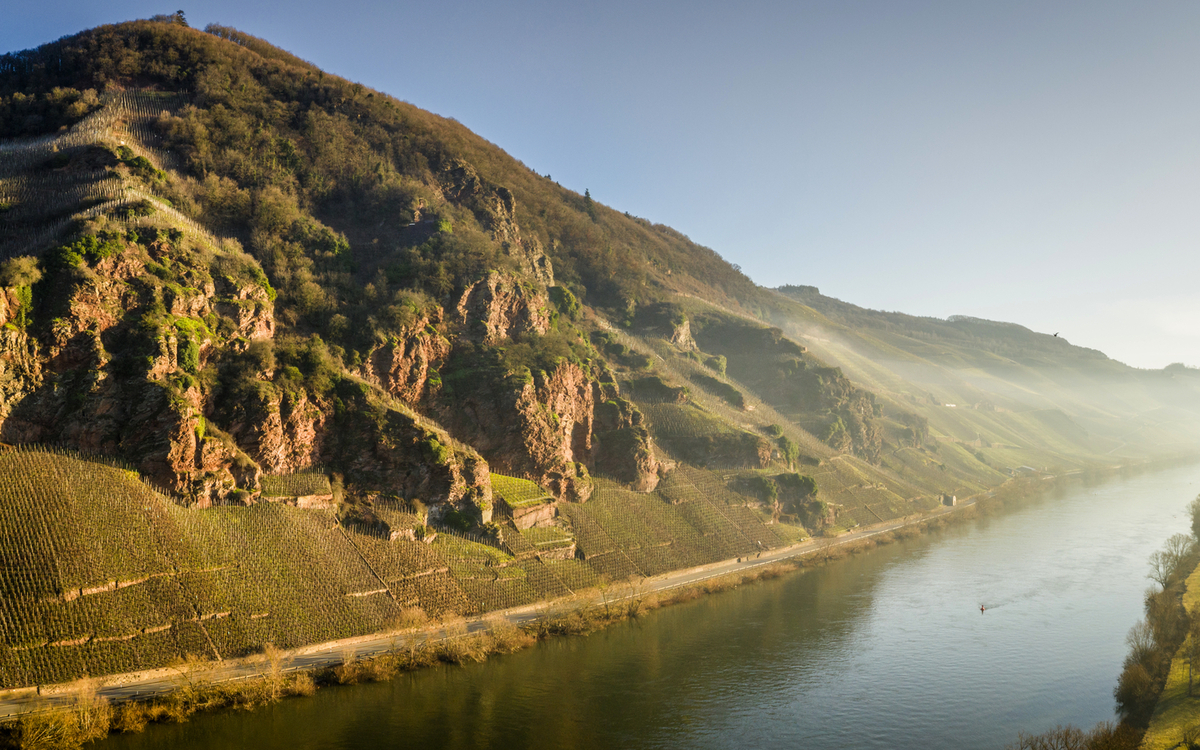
[882, 650]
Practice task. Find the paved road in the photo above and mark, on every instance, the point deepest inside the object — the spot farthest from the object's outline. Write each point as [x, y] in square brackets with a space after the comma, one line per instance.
[333, 654]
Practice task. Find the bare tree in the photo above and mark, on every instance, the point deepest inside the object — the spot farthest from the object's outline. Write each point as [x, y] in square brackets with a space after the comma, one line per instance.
[1193, 650]
[1165, 563]
[1180, 546]
[1162, 567]
[1140, 640]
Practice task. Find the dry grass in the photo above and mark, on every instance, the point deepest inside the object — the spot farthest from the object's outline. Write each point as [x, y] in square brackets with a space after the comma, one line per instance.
[411, 618]
[89, 719]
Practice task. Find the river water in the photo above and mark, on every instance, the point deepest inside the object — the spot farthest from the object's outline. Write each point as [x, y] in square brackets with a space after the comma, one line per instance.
[881, 650]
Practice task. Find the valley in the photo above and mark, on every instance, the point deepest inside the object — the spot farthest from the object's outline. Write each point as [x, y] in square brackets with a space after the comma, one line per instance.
[286, 361]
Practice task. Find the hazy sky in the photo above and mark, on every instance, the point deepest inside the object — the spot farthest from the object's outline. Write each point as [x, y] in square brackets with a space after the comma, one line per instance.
[1036, 162]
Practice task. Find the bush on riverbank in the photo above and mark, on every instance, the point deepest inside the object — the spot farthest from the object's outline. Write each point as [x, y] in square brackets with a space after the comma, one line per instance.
[1104, 736]
[1153, 641]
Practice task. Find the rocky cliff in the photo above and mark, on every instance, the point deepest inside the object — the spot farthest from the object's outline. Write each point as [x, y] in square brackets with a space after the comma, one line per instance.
[219, 283]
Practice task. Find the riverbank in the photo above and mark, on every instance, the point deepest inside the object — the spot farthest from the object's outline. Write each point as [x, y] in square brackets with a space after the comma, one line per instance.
[581, 614]
[143, 685]
[1158, 703]
[1176, 718]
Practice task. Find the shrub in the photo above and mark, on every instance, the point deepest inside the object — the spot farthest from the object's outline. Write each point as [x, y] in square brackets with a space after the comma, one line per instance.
[310, 359]
[725, 391]
[189, 335]
[566, 302]
[799, 484]
[788, 450]
[20, 272]
[764, 488]
[542, 352]
[438, 453]
[719, 364]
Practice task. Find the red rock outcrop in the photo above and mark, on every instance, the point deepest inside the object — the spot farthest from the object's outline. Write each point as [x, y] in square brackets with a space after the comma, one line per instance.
[500, 306]
[283, 432]
[64, 385]
[403, 366]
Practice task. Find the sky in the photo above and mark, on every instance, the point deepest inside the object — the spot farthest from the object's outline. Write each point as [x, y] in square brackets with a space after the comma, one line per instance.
[1031, 162]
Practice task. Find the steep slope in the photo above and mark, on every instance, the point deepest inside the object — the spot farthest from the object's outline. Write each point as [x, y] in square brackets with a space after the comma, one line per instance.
[327, 331]
[99, 573]
[397, 306]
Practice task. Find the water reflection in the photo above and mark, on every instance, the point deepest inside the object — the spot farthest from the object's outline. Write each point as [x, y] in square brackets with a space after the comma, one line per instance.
[883, 650]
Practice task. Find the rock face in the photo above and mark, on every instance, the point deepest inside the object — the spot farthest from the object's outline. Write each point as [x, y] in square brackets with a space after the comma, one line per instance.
[168, 354]
[541, 425]
[108, 374]
[623, 446]
[403, 366]
[538, 428]
[282, 432]
[536, 515]
[496, 209]
[681, 336]
[380, 445]
[20, 368]
[501, 306]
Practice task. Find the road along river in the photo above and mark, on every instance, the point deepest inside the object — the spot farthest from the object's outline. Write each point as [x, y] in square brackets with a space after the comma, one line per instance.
[887, 649]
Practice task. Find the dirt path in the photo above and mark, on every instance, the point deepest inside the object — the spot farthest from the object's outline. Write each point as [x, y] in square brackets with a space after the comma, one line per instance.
[117, 688]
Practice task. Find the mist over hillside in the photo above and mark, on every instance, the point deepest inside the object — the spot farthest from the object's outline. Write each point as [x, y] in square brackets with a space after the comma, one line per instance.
[278, 296]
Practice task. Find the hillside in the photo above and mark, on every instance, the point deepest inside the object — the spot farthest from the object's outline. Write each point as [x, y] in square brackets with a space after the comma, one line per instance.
[999, 385]
[356, 362]
[101, 573]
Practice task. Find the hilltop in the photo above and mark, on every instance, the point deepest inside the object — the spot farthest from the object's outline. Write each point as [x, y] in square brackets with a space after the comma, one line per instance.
[357, 362]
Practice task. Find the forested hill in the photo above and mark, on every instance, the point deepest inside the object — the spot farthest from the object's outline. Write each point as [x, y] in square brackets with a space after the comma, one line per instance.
[267, 135]
[276, 264]
[222, 264]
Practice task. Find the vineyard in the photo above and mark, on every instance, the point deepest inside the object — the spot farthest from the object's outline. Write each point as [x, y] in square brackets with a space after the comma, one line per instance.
[298, 484]
[40, 198]
[546, 539]
[705, 431]
[692, 519]
[99, 573]
[518, 493]
[694, 435]
[678, 368]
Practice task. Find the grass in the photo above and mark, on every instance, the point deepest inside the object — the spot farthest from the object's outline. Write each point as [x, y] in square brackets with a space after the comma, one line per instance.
[1177, 712]
[545, 538]
[519, 493]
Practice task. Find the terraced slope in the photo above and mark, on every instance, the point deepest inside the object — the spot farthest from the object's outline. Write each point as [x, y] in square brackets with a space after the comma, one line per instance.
[101, 574]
